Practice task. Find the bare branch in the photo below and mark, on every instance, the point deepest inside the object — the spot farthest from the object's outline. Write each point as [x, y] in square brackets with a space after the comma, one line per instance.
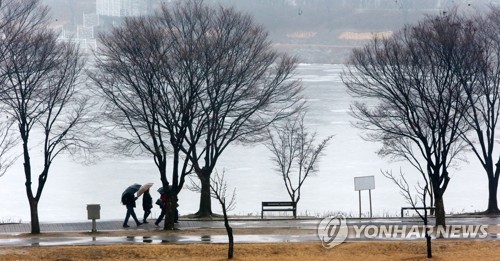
[7, 142]
[294, 152]
[218, 186]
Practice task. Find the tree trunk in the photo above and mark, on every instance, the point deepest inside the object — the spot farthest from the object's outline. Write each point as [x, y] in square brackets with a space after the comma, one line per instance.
[231, 241]
[295, 211]
[428, 240]
[440, 214]
[427, 234]
[492, 195]
[169, 212]
[35, 224]
[169, 217]
[205, 198]
[169, 222]
[431, 197]
[229, 231]
[175, 171]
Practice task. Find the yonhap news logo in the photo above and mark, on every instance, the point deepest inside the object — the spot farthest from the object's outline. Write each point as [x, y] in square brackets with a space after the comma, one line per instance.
[333, 231]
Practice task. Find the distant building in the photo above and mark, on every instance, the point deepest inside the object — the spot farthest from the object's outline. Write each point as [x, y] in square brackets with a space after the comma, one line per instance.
[121, 8]
[84, 34]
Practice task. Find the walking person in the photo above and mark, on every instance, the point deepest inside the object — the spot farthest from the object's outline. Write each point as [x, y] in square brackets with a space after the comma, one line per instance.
[147, 205]
[128, 200]
[163, 205]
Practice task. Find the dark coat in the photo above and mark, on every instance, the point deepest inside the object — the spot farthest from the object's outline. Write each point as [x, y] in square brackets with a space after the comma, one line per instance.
[162, 201]
[129, 200]
[147, 201]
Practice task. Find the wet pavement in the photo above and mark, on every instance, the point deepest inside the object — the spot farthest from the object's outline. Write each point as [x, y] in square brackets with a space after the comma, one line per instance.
[114, 225]
[298, 230]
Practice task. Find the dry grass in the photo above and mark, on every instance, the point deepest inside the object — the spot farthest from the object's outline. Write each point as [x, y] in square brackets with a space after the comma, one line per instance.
[442, 250]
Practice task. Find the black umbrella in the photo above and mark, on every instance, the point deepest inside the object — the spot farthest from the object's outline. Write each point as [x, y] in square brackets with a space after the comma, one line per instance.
[132, 189]
[162, 191]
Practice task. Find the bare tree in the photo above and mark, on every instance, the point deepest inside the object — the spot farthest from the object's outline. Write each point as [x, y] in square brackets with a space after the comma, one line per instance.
[415, 84]
[242, 85]
[422, 193]
[149, 113]
[295, 153]
[218, 186]
[483, 101]
[39, 90]
[189, 81]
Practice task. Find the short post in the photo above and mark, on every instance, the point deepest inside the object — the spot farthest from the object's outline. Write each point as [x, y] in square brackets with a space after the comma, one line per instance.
[94, 212]
[370, 195]
[359, 203]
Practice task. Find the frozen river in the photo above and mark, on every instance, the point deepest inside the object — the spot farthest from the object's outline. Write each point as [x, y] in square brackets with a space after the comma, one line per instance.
[71, 186]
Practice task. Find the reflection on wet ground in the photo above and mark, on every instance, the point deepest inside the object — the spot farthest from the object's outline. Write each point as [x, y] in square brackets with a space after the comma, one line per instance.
[188, 239]
[168, 239]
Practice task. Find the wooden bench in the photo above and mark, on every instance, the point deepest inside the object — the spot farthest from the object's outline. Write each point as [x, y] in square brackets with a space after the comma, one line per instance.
[279, 206]
[415, 208]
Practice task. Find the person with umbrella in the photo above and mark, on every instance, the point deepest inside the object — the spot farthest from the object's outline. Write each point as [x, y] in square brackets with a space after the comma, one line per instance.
[128, 200]
[147, 205]
[147, 200]
[164, 204]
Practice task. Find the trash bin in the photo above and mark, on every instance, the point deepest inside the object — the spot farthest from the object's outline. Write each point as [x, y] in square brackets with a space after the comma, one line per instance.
[94, 212]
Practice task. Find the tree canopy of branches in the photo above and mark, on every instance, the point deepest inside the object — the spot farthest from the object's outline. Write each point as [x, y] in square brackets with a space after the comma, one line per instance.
[415, 84]
[483, 99]
[132, 68]
[39, 80]
[244, 84]
[294, 152]
[193, 79]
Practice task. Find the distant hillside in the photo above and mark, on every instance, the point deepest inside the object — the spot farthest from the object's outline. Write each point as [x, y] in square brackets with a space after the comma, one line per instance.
[325, 31]
[321, 31]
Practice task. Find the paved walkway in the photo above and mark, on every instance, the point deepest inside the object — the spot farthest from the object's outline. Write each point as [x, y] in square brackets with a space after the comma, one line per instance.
[115, 225]
[307, 233]
[168, 238]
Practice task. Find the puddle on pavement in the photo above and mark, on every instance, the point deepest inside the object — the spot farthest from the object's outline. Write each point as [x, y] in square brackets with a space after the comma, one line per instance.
[206, 238]
[147, 240]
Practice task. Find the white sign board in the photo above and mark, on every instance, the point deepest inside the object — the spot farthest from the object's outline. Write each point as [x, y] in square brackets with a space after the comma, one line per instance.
[364, 183]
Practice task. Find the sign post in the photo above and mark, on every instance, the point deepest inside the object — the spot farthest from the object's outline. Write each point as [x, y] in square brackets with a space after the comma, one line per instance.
[364, 183]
